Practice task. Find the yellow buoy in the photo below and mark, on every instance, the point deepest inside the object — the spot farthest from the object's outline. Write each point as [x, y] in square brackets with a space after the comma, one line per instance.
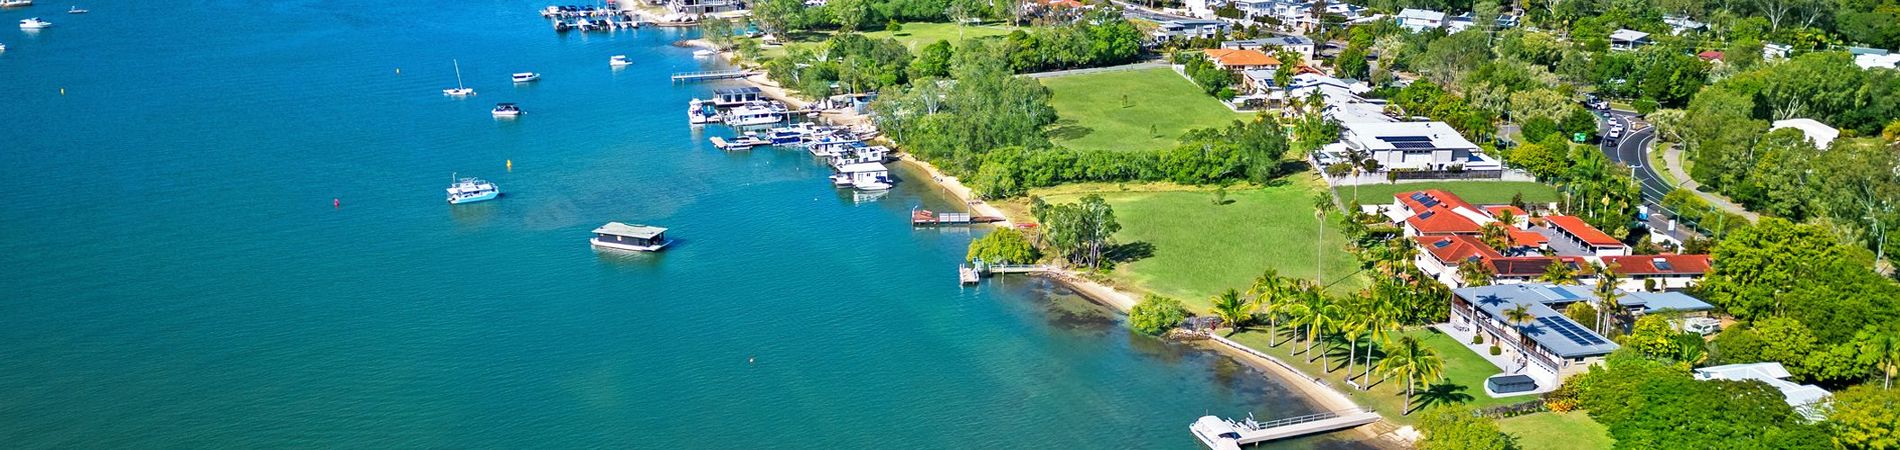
[511, 165]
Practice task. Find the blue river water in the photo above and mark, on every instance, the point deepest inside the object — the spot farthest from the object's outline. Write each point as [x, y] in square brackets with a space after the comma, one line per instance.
[174, 274]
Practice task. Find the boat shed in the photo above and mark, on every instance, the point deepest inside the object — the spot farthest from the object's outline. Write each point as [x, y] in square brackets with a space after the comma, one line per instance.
[738, 95]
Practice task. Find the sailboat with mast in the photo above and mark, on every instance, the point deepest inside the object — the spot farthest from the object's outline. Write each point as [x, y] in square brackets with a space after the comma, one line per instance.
[460, 90]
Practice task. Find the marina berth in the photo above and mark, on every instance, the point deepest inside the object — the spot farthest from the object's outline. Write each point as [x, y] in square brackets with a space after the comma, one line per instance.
[638, 238]
[867, 176]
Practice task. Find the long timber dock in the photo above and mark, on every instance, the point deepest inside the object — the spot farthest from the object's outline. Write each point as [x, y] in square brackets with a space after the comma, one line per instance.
[1223, 434]
[691, 77]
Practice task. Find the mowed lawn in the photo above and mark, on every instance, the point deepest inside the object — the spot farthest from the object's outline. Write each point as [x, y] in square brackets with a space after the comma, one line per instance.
[916, 35]
[1463, 383]
[1552, 430]
[1134, 109]
[1476, 192]
[1191, 248]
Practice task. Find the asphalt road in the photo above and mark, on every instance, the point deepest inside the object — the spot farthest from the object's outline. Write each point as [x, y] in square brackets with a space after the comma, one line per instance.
[1633, 150]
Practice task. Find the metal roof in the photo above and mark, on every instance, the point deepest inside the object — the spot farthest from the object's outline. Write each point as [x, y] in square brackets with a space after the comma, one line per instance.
[1551, 329]
[632, 231]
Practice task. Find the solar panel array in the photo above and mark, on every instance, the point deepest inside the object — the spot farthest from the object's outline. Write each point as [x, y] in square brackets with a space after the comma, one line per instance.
[1571, 331]
[1662, 264]
[1442, 244]
[1406, 142]
[1427, 214]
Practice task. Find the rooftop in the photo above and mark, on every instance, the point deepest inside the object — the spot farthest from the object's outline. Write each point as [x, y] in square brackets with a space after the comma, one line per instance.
[1375, 136]
[1818, 133]
[1800, 396]
[1551, 329]
[1589, 234]
[1628, 35]
[1420, 14]
[1235, 57]
[632, 231]
[1443, 220]
[1533, 266]
[1455, 249]
[863, 167]
[1654, 302]
[738, 91]
[1658, 264]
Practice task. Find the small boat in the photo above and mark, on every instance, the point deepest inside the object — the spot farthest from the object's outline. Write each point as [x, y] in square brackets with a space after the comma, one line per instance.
[619, 61]
[34, 24]
[3, 47]
[460, 90]
[639, 238]
[15, 3]
[841, 180]
[471, 190]
[703, 54]
[526, 77]
[699, 112]
[753, 115]
[76, 10]
[506, 110]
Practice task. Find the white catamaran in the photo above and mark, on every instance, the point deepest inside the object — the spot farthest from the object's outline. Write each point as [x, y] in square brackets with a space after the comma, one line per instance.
[460, 90]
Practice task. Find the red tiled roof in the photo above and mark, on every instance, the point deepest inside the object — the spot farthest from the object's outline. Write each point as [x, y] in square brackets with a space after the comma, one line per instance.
[1526, 238]
[1064, 3]
[1441, 197]
[1532, 266]
[1228, 57]
[1583, 231]
[1710, 55]
[1441, 220]
[1454, 249]
[1496, 210]
[1646, 264]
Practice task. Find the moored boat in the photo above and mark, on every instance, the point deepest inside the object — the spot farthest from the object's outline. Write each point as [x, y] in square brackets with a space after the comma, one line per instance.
[76, 10]
[459, 90]
[639, 238]
[15, 3]
[34, 23]
[471, 190]
[703, 54]
[506, 110]
[619, 61]
[525, 77]
[754, 114]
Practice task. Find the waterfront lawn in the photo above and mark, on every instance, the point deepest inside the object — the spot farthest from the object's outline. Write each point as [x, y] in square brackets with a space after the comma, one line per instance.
[916, 35]
[1476, 192]
[1180, 244]
[1464, 383]
[1130, 110]
[1553, 430]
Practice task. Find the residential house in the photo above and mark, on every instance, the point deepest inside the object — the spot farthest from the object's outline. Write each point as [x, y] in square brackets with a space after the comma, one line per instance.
[1418, 147]
[1877, 59]
[1241, 60]
[1189, 29]
[700, 7]
[1591, 241]
[1418, 20]
[1818, 133]
[1657, 272]
[1549, 346]
[1296, 44]
[1531, 269]
[1343, 100]
[1807, 399]
[1440, 256]
[1772, 51]
[1627, 39]
[1682, 24]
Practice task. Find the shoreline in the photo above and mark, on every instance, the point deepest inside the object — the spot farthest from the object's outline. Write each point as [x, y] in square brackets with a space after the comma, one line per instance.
[1324, 397]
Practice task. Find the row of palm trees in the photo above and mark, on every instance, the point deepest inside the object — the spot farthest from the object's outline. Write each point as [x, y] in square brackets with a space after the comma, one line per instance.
[1372, 319]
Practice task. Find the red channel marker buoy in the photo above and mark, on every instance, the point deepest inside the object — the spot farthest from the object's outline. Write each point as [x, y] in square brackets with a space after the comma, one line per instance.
[336, 203]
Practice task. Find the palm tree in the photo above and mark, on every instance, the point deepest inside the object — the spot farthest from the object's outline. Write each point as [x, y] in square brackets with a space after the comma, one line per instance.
[1354, 324]
[1559, 272]
[1607, 304]
[1474, 273]
[1410, 359]
[1882, 348]
[1317, 313]
[1380, 320]
[1231, 308]
[1519, 315]
[1270, 294]
[1321, 203]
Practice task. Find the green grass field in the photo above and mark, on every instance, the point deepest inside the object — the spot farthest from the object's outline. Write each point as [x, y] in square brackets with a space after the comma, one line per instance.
[1476, 192]
[1198, 248]
[1550, 430]
[919, 34]
[1464, 371]
[1136, 109]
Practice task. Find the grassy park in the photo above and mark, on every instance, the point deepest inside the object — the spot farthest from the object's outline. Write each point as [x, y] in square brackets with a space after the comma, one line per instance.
[1476, 192]
[1134, 109]
[1463, 383]
[1551, 430]
[1185, 246]
[919, 34]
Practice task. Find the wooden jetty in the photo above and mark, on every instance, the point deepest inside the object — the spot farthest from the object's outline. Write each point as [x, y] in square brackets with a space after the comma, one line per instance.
[973, 274]
[967, 275]
[925, 218]
[1223, 434]
[692, 77]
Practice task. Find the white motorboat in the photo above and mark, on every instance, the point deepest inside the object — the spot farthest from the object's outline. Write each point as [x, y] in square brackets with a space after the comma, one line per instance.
[34, 24]
[77, 10]
[15, 3]
[619, 61]
[526, 77]
[459, 90]
[506, 110]
[3, 47]
[703, 54]
[471, 190]
[871, 186]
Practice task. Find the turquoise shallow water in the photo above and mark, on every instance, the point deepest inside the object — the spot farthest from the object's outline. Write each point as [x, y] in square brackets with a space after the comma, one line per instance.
[174, 274]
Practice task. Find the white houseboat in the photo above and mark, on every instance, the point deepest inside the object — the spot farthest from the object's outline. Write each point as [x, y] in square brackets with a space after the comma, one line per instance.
[639, 238]
[867, 176]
